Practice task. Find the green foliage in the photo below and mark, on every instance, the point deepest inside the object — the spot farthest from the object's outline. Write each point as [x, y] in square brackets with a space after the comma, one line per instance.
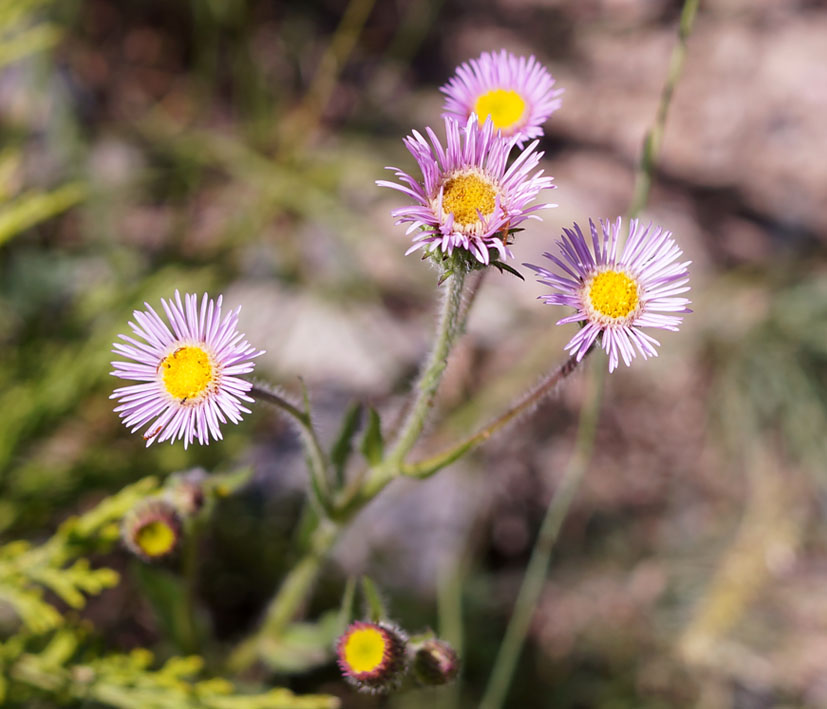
[58, 565]
[52, 656]
[60, 670]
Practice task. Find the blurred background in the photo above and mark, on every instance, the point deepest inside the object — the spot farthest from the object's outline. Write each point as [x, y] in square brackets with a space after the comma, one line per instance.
[233, 146]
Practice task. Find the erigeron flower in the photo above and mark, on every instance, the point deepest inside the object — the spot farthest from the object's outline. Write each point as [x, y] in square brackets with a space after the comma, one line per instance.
[152, 529]
[372, 656]
[469, 197]
[189, 375]
[516, 92]
[616, 296]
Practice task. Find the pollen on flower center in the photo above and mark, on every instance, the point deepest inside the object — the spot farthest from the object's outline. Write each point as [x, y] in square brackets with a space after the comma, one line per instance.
[187, 372]
[155, 538]
[467, 195]
[365, 649]
[613, 294]
[505, 106]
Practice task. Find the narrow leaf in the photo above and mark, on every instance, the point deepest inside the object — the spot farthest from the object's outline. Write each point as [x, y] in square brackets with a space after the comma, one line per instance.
[373, 447]
[373, 601]
[343, 446]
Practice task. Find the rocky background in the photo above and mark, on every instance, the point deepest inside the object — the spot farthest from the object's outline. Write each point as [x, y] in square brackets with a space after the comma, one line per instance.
[234, 146]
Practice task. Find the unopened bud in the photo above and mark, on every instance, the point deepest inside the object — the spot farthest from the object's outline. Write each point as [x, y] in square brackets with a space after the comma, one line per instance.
[435, 662]
[152, 529]
[372, 656]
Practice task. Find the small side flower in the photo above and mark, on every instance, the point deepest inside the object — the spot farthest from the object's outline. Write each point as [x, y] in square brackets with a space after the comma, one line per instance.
[188, 375]
[469, 198]
[152, 529]
[372, 656]
[516, 93]
[615, 296]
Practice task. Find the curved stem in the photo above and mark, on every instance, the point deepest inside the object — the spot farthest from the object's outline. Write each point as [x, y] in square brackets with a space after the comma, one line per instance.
[429, 466]
[426, 388]
[319, 476]
[535, 574]
[291, 594]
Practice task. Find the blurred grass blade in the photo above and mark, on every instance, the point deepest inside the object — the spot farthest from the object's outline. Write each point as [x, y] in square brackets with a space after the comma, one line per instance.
[34, 207]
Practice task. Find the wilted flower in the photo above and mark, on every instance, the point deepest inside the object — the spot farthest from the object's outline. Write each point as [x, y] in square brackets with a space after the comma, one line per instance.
[152, 529]
[435, 662]
[516, 92]
[372, 656]
[189, 376]
[614, 296]
[469, 199]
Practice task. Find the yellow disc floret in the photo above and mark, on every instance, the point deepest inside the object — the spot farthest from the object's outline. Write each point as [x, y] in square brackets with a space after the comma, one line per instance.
[613, 294]
[187, 372]
[365, 649]
[466, 195]
[505, 106]
[156, 538]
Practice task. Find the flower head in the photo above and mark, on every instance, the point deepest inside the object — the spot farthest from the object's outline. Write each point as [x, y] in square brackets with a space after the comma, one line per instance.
[616, 296]
[515, 92]
[468, 199]
[372, 656]
[435, 662]
[188, 375]
[152, 529]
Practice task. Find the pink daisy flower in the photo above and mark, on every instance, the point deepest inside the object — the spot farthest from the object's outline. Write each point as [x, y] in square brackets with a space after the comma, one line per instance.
[468, 198]
[188, 376]
[616, 296]
[515, 92]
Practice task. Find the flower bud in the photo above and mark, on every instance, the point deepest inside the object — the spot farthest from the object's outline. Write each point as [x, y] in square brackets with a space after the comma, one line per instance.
[152, 529]
[186, 491]
[435, 662]
[372, 656]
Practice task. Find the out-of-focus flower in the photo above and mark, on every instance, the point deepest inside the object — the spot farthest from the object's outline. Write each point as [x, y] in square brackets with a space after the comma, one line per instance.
[152, 529]
[372, 656]
[616, 296]
[517, 93]
[435, 662]
[469, 198]
[188, 376]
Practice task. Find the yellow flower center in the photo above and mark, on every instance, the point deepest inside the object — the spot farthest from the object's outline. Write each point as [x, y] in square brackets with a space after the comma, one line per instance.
[155, 538]
[613, 294]
[187, 372]
[505, 106]
[365, 649]
[467, 193]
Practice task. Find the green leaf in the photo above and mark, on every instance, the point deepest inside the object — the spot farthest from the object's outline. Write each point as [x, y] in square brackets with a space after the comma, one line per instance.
[343, 446]
[346, 610]
[373, 447]
[302, 646]
[167, 594]
[500, 266]
[373, 601]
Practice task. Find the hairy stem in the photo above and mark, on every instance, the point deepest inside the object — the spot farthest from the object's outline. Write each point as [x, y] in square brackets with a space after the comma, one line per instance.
[429, 466]
[317, 460]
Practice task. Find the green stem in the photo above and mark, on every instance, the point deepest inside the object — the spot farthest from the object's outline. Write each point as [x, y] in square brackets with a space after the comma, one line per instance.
[558, 507]
[429, 466]
[535, 574]
[292, 593]
[447, 330]
[654, 136]
[318, 466]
